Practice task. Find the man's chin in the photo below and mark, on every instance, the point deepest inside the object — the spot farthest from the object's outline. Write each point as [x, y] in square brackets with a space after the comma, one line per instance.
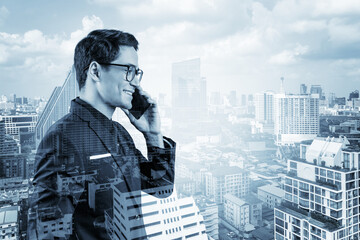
[125, 106]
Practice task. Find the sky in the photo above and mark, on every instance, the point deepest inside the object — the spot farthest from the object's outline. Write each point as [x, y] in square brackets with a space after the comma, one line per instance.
[244, 45]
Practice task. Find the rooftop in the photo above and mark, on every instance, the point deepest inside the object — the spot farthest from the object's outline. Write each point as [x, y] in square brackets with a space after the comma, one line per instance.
[203, 202]
[273, 190]
[236, 200]
[252, 199]
[226, 170]
[249, 199]
[263, 233]
[9, 214]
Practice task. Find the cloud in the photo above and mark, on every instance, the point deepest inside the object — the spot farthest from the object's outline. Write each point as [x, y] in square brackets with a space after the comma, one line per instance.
[305, 26]
[288, 57]
[89, 23]
[35, 43]
[4, 53]
[334, 7]
[36, 60]
[343, 33]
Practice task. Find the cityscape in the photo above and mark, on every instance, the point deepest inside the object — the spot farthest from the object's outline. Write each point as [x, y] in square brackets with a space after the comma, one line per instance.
[267, 165]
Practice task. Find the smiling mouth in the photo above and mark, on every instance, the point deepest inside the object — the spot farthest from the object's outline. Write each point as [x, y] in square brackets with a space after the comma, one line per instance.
[128, 92]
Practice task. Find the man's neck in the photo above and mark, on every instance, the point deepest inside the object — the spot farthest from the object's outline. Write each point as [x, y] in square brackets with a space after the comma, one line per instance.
[98, 105]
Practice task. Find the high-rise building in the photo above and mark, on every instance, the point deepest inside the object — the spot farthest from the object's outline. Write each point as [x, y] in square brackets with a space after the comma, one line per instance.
[331, 98]
[209, 210]
[188, 95]
[243, 100]
[58, 104]
[303, 89]
[297, 118]
[215, 98]
[13, 166]
[354, 95]
[321, 192]
[160, 218]
[232, 98]
[8, 145]
[224, 180]
[317, 89]
[264, 107]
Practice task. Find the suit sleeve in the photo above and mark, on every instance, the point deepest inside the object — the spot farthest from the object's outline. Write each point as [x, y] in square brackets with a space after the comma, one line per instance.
[159, 169]
[52, 203]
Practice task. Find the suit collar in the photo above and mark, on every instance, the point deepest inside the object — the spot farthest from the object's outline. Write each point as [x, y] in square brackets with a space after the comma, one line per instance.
[98, 122]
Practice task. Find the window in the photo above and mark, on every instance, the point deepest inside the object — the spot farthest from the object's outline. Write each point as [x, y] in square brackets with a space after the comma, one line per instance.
[337, 176]
[346, 160]
[293, 164]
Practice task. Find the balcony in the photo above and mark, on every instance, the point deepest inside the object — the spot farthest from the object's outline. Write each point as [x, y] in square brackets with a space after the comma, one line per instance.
[330, 223]
[330, 185]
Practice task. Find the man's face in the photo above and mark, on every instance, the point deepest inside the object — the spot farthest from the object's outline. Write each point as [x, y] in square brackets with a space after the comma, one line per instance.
[113, 88]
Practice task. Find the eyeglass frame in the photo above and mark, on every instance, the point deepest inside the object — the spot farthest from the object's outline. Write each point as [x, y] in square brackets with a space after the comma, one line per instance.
[137, 71]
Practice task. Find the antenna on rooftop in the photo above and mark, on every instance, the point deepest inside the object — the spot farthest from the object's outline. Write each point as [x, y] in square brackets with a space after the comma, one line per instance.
[282, 85]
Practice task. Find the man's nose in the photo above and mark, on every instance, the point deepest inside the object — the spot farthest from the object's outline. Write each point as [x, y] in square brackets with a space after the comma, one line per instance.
[135, 82]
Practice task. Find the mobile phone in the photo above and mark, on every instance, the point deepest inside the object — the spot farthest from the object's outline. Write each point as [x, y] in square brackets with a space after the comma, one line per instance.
[139, 104]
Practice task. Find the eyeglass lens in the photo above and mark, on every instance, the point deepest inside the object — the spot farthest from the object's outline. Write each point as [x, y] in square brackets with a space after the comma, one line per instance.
[132, 73]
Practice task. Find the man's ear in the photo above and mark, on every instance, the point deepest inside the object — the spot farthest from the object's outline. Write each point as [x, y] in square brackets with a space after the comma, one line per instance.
[94, 71]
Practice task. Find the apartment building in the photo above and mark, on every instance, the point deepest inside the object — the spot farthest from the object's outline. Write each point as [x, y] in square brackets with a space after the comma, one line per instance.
[223, 180]
[321, 192]
[270, 195]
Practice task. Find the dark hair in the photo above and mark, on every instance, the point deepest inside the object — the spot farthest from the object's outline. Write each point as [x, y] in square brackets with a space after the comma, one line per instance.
[102, 45]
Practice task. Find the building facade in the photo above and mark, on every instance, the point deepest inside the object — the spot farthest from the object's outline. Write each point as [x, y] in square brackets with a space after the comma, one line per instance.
[160, 218]
[264, 107]
[210, 212]
[9, 225]
[223, 180]
[297, 118]
[189, 106]
[270, 195]
[58, 105]
[321, 193]
[16, 124]
[242, 211]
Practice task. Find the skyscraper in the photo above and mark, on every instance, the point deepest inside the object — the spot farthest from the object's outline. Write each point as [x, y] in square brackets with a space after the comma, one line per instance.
[188, 95]
[297, 118]
[58, 104]
[303, 89]
[316, 89]
[264, 107]
[321, 192]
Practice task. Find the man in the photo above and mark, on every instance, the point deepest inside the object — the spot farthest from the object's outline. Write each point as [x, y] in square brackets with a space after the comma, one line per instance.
[85, 154]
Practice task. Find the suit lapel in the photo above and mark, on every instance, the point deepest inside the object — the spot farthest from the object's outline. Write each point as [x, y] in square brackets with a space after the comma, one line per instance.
[102, 129]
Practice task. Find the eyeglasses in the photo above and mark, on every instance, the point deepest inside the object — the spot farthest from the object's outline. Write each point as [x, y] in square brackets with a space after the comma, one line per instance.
[131, 71]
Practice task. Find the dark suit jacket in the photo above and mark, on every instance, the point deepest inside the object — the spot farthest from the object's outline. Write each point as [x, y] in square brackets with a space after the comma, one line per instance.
[84, 149]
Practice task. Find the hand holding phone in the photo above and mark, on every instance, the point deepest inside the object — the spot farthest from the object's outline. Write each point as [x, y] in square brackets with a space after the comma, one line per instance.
[139, 104]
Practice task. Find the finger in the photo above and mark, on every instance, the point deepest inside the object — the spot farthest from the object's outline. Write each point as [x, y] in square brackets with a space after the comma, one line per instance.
[128, 114]
[151, 101]
[145, 94]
